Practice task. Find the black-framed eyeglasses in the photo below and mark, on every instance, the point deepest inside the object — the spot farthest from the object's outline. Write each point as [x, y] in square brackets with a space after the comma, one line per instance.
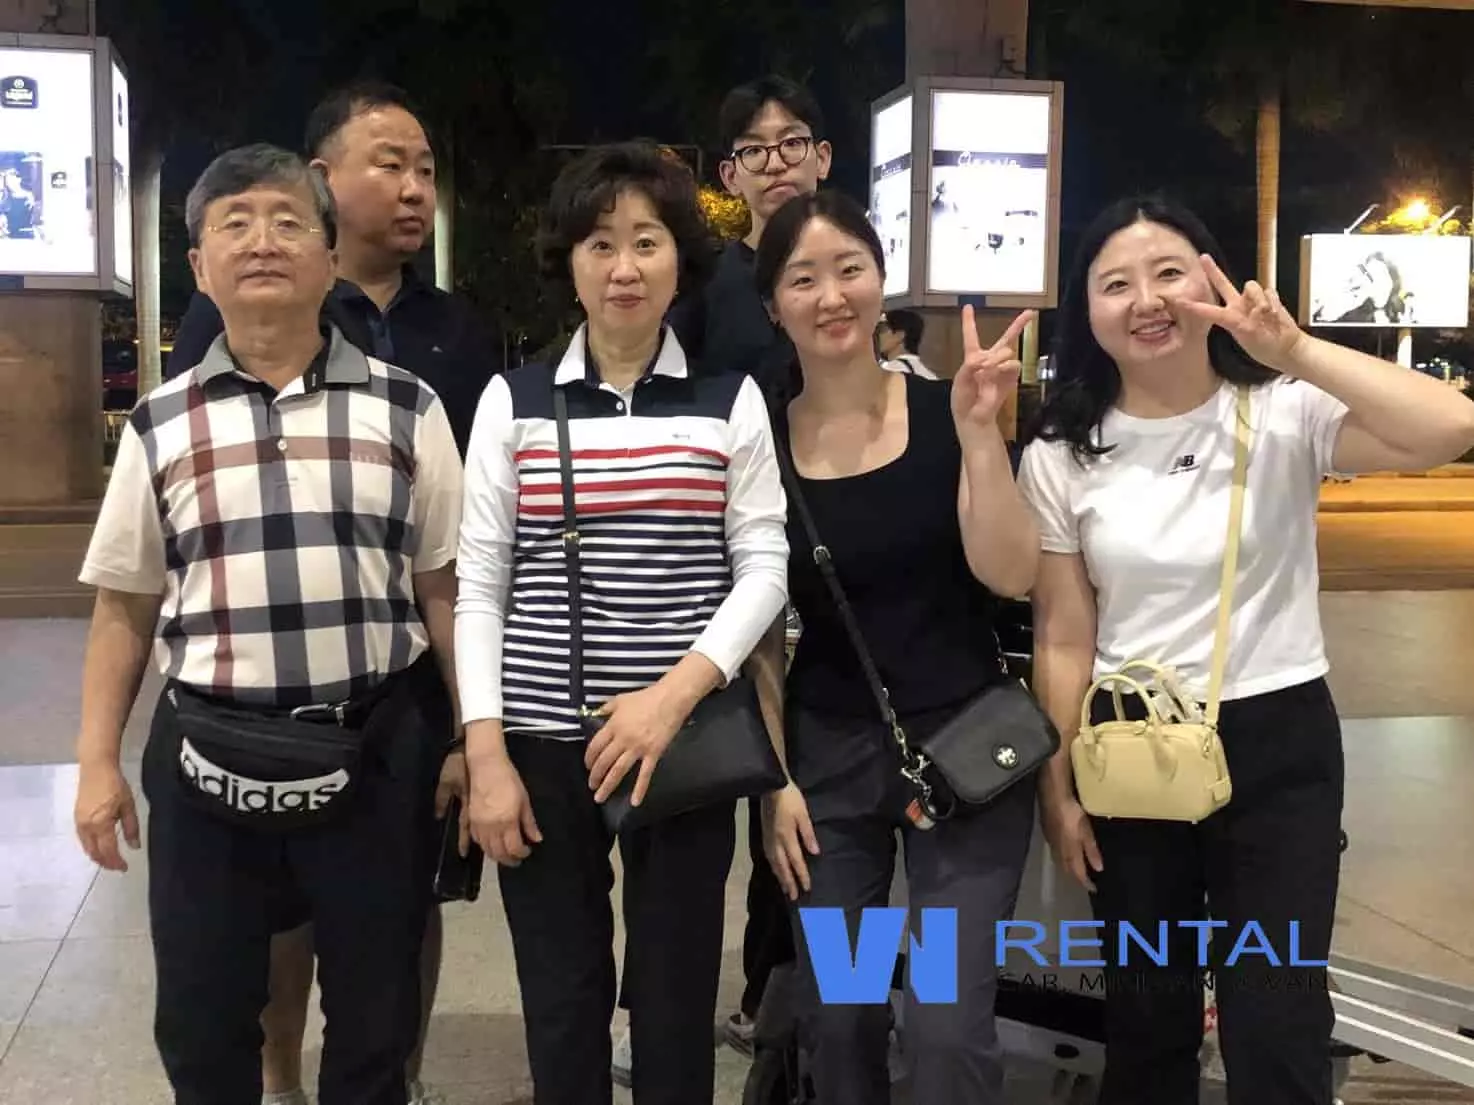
[791, 151]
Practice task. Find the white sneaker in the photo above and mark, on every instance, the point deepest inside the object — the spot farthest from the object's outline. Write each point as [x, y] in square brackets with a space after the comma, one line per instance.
[623, 1061]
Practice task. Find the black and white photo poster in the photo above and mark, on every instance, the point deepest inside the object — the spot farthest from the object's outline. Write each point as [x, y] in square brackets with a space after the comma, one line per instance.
[988, 193]
[1389, 280]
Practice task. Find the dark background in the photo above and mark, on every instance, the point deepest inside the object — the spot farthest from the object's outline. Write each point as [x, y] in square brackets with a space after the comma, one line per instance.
[1378, 104]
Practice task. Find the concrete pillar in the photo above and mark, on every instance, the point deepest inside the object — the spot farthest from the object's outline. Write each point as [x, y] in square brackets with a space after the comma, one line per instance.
[51, 438]
[51, 414]
[965, 38]
[52, 17]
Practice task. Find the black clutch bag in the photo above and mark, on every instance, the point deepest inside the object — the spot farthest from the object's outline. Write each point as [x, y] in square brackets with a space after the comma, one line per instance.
[457, 877]
[999, 737]
[721, 754]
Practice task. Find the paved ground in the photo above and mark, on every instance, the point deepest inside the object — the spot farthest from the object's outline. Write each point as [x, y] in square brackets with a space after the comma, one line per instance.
[75, 965]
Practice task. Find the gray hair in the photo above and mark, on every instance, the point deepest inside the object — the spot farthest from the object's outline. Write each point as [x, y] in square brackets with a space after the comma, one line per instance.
[246, 167]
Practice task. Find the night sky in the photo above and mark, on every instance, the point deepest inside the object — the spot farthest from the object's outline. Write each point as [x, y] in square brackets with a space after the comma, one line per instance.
[1124, 132]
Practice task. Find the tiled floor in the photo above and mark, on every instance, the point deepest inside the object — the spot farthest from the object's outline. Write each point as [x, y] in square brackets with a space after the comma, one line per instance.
[75, 963]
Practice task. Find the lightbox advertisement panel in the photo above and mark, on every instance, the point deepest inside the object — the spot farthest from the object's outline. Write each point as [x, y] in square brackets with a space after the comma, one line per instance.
[1387, 280]
[988, 194]
[890, 191]
[122, 191]
[47, 208]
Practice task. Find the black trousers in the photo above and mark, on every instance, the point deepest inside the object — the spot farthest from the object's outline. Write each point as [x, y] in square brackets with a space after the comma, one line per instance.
[974, 864]
[767, 941]
[1271, 856]
[562, 925]
[215, 894]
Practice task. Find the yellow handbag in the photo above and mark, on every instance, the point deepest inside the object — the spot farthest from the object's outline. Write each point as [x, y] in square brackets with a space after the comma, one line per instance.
[1170, 767]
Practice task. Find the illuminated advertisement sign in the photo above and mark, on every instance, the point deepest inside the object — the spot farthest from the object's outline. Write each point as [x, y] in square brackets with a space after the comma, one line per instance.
[989, 193]
[122, 189]
[47, 210]
[890, 191]
[66, 220]
[964, 191]
[1391, 281]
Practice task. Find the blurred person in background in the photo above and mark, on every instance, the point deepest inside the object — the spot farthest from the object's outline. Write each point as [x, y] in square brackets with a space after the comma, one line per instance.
[898, 338]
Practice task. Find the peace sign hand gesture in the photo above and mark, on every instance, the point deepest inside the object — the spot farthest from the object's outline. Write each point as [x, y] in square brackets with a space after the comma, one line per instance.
[986, 376]
[1255, 318]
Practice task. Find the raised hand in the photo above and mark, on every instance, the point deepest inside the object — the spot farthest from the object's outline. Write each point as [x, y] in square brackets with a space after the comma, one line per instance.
[986, 376]
[1255, 318]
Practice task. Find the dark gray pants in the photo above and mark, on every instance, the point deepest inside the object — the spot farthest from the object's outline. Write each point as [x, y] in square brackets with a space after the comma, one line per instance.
[857, 800]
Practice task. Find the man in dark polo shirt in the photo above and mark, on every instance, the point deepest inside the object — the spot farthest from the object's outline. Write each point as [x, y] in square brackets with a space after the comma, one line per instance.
[381, 169]
[280, 530]
[380, 166]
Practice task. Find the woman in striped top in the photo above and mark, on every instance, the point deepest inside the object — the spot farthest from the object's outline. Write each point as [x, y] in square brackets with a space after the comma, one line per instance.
[683, 555]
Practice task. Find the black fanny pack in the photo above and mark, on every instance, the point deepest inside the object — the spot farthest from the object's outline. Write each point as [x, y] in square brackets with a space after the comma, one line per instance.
[271, 770]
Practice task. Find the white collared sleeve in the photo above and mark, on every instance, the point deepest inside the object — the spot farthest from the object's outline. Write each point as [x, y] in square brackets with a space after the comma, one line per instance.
[126, 551]
[484, 561]
[757, 541]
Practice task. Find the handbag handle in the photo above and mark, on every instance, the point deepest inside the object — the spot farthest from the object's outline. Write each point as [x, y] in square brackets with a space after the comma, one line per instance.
[1180, 706]
[571, 540]
[1151, 727]
[1230, 552]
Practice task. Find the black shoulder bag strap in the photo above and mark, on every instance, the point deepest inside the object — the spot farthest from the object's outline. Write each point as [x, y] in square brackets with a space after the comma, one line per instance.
[914, 765]
[571, 556]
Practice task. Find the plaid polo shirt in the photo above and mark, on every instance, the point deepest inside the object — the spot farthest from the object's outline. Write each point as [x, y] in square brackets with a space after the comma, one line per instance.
[282, 529]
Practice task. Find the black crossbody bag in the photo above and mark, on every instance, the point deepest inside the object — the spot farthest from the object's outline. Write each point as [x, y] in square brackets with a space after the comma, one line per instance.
[996, 739]
[722, 753]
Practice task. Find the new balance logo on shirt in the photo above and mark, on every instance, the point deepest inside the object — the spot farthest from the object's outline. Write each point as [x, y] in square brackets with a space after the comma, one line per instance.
[1188, 462]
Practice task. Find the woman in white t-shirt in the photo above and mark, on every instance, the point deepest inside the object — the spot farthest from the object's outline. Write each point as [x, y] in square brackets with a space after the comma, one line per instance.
[1130, 476]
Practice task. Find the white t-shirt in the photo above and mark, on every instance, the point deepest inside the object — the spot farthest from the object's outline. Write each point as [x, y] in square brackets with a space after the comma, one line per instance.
[1151, 519]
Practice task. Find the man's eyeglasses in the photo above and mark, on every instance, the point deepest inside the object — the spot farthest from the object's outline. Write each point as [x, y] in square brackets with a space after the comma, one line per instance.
[288, 230]
[791, 151]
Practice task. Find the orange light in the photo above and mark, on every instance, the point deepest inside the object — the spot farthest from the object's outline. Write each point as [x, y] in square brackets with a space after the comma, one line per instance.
[1417, 210]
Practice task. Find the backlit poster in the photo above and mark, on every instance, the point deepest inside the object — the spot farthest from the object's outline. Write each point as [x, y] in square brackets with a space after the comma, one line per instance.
[47, 208]
[890, 191]
[122, 190]
[988, 193]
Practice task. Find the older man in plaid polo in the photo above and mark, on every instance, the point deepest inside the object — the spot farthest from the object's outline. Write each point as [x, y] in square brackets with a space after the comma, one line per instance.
[280, 530]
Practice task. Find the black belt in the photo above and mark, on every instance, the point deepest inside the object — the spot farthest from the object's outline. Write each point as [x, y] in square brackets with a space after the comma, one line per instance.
[349, 713]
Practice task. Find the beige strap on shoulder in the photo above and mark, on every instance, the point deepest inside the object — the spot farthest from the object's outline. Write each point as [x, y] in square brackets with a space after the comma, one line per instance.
[1230, 552]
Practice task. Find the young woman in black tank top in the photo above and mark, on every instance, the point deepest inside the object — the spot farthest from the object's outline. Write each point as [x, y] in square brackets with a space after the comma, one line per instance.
[911, 488]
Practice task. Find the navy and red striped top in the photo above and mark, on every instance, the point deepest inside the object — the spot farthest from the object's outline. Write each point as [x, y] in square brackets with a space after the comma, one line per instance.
[681, 514]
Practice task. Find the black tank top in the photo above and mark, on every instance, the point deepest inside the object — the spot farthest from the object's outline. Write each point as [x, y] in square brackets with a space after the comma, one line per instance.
[896, 545]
